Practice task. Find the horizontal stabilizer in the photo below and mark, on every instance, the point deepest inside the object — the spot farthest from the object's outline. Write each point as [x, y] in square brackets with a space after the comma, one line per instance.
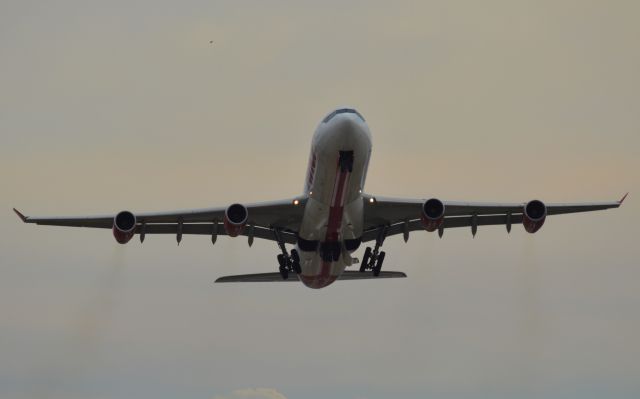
[268, 277]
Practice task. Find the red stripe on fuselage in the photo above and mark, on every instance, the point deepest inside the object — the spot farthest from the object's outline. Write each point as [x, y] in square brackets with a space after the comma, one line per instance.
[337, 206]
[336, 211]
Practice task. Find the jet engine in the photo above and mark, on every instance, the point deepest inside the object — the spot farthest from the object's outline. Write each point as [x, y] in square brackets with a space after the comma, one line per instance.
[235, 218]
[535, 212]
[432, 214]
[124, 226]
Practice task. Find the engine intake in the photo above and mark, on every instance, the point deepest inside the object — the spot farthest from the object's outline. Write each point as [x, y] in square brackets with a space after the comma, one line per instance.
[534, 214]
[124, 226]
[432, 214]
[235, 218]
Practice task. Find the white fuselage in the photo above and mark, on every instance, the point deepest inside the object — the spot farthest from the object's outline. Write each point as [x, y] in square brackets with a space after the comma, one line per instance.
[332, 224]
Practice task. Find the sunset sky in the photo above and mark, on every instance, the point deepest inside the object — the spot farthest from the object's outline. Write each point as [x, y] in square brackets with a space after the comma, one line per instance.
[106, 106]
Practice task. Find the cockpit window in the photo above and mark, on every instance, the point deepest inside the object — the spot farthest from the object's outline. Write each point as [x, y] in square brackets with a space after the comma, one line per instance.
[342, 111]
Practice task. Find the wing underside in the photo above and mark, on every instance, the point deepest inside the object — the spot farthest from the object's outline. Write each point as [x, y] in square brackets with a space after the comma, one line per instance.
[276, 220]
[280, 220]
[385, 217]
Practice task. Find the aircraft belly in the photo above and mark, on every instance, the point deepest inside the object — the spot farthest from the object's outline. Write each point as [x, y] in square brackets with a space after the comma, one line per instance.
[334, 210]
[321, 191]
[317, 273]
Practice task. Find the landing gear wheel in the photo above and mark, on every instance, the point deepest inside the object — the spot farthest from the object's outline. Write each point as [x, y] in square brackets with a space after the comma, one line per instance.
[330, 251]
[365, 260]
[297, 268]
[295, 256]
[295, 262]
[282, 261]
[288, 263]
[336, 250]
[378, 266]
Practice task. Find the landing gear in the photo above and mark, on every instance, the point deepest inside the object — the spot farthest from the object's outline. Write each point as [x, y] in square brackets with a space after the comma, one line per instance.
[287, 263]
[346, 161]
[284, 266]
[295, 261]
[378, 266]
[364, 265]
[330, 251]
[373, 258]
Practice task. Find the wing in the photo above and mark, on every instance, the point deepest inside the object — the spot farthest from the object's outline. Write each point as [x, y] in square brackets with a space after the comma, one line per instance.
[265, 220]
[384, 217]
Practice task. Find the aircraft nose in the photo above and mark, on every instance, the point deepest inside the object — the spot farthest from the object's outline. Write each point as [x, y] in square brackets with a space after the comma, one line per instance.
[344, 128]
[348, 124]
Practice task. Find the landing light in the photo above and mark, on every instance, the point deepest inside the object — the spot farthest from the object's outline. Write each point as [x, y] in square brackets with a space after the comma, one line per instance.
[372, 200]
[296, 202]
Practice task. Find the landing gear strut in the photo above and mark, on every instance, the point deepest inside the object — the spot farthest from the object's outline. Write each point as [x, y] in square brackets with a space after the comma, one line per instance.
[373, 259]
[288, 263]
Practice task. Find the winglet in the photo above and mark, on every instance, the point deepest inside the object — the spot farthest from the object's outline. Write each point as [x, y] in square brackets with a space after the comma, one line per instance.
[622, 199]
[20, 215]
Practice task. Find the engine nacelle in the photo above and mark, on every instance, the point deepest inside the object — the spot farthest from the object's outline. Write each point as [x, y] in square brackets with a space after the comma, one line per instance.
[124, 226]
[432, 214]
[235, 218]
[534, 214]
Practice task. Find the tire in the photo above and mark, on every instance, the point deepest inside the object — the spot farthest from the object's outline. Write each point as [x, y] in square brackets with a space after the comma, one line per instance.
[325, 252]
[365, 259]
[378, 267]
[297, 268]
[282, 261]
[336, 252]
[295, 256]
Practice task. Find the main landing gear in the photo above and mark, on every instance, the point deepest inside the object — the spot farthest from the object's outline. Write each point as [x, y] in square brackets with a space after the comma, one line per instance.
[373, 259]
[288, 263]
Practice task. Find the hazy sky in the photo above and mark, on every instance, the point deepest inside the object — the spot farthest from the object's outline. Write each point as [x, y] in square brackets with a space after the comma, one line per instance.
[118, 105]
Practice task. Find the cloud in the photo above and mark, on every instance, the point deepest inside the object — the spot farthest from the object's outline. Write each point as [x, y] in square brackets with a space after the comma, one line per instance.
[253, 393]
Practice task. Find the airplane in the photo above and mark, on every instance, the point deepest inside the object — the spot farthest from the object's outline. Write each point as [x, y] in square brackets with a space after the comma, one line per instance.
[332, 217]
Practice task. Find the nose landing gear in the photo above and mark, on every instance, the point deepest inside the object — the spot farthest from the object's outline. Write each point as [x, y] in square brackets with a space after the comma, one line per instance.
[330, 251]
[346, 161]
